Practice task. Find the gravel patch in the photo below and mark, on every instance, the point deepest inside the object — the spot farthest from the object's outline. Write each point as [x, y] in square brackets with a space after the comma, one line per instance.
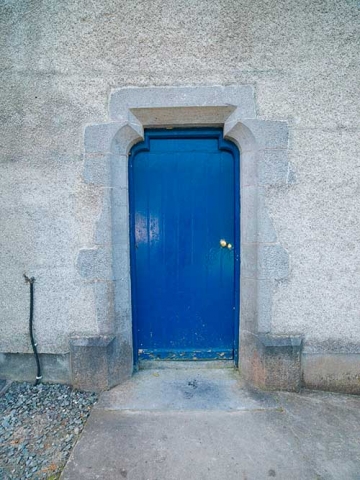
[39, 426]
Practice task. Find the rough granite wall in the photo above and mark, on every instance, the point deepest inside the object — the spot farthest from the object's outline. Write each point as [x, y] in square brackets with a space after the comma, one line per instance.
[59, 62]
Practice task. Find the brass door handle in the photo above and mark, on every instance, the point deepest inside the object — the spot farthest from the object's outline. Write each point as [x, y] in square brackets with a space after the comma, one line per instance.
[225, 244]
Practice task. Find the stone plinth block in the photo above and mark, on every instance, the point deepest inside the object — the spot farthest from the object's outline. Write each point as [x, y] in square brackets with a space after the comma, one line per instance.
[273, 362]
[92, 360]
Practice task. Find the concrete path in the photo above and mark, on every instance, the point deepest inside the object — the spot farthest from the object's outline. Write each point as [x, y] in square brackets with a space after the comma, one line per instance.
[201, 424]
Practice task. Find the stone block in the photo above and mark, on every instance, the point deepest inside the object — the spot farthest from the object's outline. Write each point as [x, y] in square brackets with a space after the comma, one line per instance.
[95, 263]
[264, 302]
[272, 362]
[272, 262]
[103, 225]
[134, 98]
[249, 161]
[248, 304]
[119, 171]
[256, 224]
[92, 361]
[121, 261]
[249, 206]
[21, 367]
[338, 372]
[264, 261]
[98, 138]
[126, 137]
[256, 304]
[120, 217]
[104, 306]
[274, 168]
[182, 116]
[281, 357]
[269, 134]
[249, 254]
[243, 137]
[123, 314]
[97, 170]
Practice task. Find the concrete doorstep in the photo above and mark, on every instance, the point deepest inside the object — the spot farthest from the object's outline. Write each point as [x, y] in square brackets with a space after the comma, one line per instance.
[194, 424]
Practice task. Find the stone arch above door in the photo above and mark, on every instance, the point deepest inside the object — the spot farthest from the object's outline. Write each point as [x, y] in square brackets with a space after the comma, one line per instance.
[265, 360]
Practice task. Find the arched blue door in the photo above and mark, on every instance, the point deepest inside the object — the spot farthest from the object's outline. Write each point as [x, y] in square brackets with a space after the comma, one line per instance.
[184, 204]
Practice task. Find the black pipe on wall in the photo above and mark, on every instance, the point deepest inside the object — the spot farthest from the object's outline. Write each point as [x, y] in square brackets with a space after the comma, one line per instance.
[31, 281]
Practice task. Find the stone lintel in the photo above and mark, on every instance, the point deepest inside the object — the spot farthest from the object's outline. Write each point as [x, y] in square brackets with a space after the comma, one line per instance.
[130, 98]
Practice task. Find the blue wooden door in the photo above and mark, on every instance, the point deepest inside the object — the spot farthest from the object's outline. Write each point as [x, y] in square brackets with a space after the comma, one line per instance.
[184, 245]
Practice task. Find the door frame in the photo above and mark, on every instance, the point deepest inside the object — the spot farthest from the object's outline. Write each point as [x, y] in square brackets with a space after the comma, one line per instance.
[266, 359]
[224, 145]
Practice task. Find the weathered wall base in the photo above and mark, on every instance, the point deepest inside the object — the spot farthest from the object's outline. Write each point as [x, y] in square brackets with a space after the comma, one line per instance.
[332, 372]
[272, 362]
[98, 362]
[269, 366]
[21, 367]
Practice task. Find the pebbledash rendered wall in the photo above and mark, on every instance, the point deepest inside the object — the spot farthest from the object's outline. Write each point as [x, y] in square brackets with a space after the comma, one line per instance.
[81, 80]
